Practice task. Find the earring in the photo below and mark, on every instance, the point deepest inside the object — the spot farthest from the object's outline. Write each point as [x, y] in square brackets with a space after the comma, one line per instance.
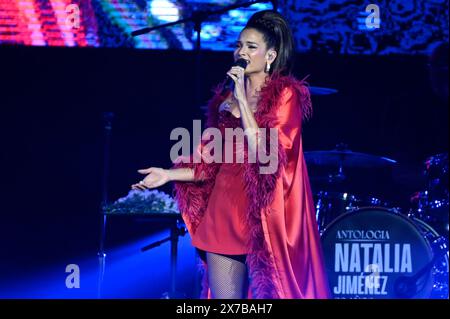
[267, 67]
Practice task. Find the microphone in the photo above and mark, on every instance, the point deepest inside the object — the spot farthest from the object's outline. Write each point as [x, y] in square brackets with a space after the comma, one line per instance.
[229, 81]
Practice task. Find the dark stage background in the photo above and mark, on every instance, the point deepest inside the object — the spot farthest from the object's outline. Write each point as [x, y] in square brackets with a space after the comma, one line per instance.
[52, 100]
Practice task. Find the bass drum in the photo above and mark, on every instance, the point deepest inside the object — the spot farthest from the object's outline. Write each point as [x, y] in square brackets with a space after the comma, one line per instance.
[375, 252]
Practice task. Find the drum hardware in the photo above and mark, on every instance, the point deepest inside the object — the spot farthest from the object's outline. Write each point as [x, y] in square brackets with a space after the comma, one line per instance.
[436, 171]
[440, 271]
[431, 204]
[330, 205]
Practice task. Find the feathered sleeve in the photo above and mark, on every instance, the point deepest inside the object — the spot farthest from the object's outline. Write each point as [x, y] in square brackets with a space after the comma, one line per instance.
[192, 197]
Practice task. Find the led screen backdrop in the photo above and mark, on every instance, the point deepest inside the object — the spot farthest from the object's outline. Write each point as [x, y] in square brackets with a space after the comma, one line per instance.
[109, 23]
[337, 27]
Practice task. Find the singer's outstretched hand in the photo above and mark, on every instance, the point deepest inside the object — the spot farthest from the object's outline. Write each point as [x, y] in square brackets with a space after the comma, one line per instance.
[237, 74]
[155, 177]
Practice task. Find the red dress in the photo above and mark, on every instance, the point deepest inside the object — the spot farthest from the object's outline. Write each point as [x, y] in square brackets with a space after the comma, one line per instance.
[223, 229]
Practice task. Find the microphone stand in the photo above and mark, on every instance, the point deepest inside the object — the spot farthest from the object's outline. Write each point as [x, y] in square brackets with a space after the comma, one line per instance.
[107, 122]
[176, 230]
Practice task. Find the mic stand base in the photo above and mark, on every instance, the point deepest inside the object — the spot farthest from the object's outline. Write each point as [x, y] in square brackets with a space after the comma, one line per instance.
[176, 230]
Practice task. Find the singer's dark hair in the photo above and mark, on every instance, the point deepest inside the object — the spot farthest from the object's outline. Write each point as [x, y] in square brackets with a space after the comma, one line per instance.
[277, 35]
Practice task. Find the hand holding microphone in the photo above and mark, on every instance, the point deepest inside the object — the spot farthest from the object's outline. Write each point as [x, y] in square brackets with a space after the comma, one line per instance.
[236, 76]
[239, 63]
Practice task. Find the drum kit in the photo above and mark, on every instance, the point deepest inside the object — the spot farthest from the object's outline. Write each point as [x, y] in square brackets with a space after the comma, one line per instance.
[372, 248]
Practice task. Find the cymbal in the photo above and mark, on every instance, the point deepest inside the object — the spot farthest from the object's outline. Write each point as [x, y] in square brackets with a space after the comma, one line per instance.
[315, 90]
[346, 158]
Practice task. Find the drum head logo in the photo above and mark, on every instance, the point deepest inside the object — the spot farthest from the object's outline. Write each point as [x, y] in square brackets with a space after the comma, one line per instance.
[375, 253]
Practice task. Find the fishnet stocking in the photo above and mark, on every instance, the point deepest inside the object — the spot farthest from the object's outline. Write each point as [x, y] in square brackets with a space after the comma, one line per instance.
[227, 276]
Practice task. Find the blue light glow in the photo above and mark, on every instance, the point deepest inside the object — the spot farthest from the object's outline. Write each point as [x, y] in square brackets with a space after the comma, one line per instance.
[129, 273]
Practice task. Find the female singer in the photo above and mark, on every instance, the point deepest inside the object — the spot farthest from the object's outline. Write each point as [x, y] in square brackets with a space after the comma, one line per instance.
[256, 231]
